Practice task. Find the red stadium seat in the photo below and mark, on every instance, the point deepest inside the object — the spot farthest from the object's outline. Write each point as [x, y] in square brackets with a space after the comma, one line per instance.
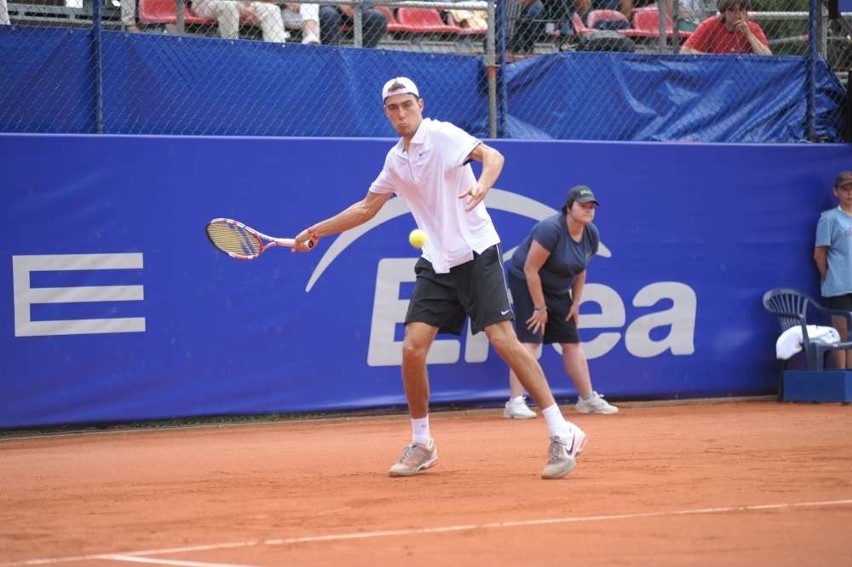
[596, 16]
[579, 25]
[647, 21]
[165, 12]
[393, 25]
[423, 20]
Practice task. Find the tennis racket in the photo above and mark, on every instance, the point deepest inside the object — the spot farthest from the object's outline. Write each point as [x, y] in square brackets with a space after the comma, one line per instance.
[243, 242]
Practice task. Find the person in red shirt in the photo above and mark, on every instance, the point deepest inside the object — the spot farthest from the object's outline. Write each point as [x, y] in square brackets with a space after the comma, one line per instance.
[729, 32]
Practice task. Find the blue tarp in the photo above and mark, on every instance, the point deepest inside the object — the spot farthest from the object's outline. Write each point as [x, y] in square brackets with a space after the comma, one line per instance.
[207, 86]
[711, 98]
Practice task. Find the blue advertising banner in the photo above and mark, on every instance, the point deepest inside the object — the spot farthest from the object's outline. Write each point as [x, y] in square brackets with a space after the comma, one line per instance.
[113, 305]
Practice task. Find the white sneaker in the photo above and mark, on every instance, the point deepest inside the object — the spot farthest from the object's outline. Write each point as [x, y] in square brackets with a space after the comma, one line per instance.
[517, 408]
[563, 454]
[310, 39]
[415, 459]
[595, 404]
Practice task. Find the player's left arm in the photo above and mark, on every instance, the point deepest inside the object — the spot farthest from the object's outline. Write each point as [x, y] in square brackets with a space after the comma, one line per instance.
[492, 164]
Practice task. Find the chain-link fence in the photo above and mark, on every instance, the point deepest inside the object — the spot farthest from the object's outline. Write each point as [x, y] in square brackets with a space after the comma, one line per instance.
[533, 27]
[501, 44]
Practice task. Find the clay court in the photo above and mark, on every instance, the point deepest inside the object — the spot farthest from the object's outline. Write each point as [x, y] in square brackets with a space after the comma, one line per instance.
[737, 483]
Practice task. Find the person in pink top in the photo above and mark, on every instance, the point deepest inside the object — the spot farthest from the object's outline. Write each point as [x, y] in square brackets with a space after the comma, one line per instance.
[729, 32]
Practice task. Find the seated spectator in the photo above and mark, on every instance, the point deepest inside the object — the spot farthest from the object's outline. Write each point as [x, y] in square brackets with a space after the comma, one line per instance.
[529, 26]
[230, 13]
[304, 17]
[469, 19]
[559, 12]
[333, 18]
[692, 12]
[729, 32]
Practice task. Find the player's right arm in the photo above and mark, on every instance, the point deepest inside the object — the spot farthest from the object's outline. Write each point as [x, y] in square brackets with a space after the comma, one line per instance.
[821, 260]
[821, 245]
[536, 258]
[354, 215]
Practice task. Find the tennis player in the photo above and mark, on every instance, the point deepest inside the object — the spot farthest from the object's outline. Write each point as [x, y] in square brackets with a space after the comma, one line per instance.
[460, 273]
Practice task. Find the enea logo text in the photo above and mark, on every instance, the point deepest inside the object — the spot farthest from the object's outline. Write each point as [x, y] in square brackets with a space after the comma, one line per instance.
[644, 337]
[28, 296]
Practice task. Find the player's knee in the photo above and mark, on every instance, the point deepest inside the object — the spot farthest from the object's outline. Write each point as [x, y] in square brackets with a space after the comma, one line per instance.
[413, 353]
[506, 345]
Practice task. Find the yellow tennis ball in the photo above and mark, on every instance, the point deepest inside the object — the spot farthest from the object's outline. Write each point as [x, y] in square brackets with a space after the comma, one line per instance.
[417, 238]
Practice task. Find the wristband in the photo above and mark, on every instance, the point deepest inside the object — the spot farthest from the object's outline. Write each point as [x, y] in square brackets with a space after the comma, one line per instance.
[544, 308]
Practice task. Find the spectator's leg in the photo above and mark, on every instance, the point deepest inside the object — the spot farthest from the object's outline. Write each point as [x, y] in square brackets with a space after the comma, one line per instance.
[375, 27]
[535, 25]
[311, 23]
[271, 21]
[225, 12]
[523, 39]
[841, 358]
[128, 14]
[292, 20]
[528, 28]
[330, 19]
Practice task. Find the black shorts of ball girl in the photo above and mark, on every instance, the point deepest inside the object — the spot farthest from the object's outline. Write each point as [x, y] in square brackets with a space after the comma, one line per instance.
[842, 302]
[475, 289]
[557, 329]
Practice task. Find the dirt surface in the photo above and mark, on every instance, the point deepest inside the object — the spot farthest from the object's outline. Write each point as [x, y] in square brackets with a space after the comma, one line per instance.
[745, 483]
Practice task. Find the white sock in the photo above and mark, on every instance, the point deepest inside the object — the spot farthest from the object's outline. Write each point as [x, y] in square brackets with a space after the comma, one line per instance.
[517, 399]
[420, 431]
[556, 423]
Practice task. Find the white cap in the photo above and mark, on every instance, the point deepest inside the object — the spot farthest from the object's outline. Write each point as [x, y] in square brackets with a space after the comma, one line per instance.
[399, 85]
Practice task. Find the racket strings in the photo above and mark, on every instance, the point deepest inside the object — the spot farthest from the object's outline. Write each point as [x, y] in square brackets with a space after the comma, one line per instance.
[233, 239]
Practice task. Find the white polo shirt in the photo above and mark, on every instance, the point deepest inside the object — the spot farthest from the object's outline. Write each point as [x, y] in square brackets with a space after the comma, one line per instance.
[430, 177]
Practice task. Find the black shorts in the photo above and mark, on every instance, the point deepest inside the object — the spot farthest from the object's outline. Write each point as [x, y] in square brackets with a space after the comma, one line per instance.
[843, 302]
[475, 289]
[557, 329]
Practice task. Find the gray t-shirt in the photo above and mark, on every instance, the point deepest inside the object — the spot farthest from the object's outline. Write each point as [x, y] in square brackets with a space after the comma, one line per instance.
[834, 230]
[567, 258]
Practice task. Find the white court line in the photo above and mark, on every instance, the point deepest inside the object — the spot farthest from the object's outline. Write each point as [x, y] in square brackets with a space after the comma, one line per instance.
[134, 559]
[131, 555]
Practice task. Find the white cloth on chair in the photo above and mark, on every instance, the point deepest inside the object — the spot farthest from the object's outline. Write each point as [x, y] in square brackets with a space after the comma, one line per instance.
[790, 341]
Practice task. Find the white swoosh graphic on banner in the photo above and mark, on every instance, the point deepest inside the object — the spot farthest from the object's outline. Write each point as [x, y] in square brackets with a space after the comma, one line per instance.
[498, 199]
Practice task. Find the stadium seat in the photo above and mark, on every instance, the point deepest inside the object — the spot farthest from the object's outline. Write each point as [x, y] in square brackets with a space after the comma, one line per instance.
[165, 12]
[595, 17]
[423, 21]
[579, 25]
[393, 25]
[647, 22]
[792, 308]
